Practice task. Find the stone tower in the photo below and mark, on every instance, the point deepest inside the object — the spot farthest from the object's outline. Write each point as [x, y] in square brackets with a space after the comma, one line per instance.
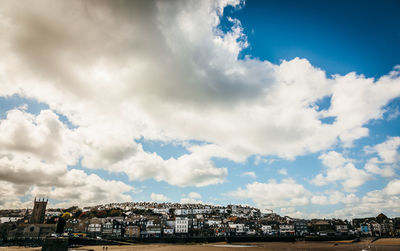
[39, 209]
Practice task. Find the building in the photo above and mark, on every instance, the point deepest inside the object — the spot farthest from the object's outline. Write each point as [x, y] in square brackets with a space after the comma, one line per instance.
[168, 231]
[132, 231]
[94, 227]
[39, 210]
[181, 225]
[323, 227]
[301, 227]
[238, 228]
[286, 229]
[32, 231]
[266, 229]
[107, 228]
[118, 229]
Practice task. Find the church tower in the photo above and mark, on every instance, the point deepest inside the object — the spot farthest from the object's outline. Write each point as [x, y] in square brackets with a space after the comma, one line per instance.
[39, 209]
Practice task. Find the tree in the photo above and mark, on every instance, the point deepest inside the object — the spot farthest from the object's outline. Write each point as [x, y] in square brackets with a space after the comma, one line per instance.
[116, 212]
[77, 213]
[60, 225]
[72, 209]
[102, 214]
[84, 215]
[66, 215]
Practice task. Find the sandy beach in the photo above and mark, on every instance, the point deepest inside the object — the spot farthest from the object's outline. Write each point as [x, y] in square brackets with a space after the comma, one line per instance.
[392, 244]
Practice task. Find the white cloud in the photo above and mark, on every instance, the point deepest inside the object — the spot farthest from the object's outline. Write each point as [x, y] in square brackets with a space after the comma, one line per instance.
[333, 197]
[35, 151]
[373, 164]
[340, 170]
[392, 188]
[388, 160]
[271, 109]
[194, 195]
[273, 194]
[387, 151]
[373, 203]
[166, 72]
[158, 197]
[288, 196]
[194, 169]
[79, 188]
[393, 114]
[282, 171]
[43, 136]
[191, 198]
[249, 174]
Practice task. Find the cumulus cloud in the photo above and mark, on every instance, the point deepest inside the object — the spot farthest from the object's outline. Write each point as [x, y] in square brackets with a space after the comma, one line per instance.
[194, 169]
[172, 53]
[288, 196]
[373, 203]
[194, 195]
[387, 151]
[392, 188]
[79, 188]
[191, 198]
[158, 197]
[388, 160]
[340, 169]
[249, 174]
[283, 171]
[165, 71]
[273, 194]
[373, 166]
[43, 136]
[333, 197]
[35, 151]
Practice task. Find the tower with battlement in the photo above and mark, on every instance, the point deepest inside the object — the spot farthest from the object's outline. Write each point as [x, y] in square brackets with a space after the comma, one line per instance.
[39, 209]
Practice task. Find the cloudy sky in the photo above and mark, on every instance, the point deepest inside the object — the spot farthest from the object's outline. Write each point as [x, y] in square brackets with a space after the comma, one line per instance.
[288, 105]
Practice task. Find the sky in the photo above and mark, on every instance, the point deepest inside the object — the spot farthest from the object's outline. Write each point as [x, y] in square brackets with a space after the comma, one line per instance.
[292, 106]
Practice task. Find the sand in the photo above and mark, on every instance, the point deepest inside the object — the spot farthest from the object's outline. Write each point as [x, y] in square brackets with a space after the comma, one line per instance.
[380, 245]
[392, 244]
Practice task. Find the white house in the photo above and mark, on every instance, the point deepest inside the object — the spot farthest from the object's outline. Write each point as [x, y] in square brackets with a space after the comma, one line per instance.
[239, 228]
[286, 229]
[266, 229]
[181, 225]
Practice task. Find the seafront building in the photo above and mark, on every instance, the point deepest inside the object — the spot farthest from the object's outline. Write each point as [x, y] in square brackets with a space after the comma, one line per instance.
[155, 220]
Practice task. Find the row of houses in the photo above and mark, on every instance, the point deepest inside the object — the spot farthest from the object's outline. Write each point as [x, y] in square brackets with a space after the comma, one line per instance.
[158, 226]
[145, 220]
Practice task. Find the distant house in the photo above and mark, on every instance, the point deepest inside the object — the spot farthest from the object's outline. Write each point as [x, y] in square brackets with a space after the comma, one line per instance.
[181, 225]
[365, 230]
[323, 227]
[95, 227]
[286, 229]
[132, 231]
[341, 227]
[238, 228]
[107, 228]
[375, 228]
[117, 229]
[214, 221]
[267, 229]
[301, 227]
[168, 231]
[9, 219]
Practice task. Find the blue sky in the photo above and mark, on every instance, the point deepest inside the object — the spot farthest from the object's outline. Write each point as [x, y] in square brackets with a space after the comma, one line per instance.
[182, 103]
[337, 36]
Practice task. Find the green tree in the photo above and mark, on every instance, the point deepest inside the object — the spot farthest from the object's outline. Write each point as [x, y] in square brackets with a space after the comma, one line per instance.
[66, 215]
[77, 213]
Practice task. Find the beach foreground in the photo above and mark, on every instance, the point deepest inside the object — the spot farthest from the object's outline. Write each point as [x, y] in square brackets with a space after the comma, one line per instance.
[365, 244]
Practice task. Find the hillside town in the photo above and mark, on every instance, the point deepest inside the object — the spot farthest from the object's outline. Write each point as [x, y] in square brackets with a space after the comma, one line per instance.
[142, 220]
